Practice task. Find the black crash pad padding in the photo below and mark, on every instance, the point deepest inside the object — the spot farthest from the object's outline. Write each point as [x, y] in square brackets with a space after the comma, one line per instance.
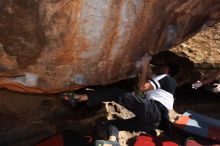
[66, 138]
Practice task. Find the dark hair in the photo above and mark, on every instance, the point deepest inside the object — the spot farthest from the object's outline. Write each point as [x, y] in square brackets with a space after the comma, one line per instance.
[173, 68]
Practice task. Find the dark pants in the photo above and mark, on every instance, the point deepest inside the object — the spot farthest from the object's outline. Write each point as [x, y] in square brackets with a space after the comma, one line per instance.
[148, 112]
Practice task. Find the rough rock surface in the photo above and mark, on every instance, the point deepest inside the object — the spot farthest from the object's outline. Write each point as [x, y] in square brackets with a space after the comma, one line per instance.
[54, 45]
[203, 49]
[28, 118]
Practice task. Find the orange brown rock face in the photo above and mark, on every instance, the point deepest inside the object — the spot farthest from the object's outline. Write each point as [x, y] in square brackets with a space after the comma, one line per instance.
[55, 45]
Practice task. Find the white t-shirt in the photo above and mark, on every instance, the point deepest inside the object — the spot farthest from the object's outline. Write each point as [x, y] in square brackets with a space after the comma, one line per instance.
[164, 88]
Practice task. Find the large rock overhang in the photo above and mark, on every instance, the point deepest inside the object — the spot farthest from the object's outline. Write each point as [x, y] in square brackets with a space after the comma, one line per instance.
[55, 45]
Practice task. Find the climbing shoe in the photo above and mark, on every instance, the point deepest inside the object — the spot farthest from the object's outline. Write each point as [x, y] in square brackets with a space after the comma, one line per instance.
[70, 98]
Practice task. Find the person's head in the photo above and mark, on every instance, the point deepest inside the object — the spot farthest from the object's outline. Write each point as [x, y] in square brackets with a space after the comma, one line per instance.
[169, 68]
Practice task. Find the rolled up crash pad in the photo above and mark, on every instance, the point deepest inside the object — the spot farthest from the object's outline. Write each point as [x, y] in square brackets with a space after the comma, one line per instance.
[197, 125]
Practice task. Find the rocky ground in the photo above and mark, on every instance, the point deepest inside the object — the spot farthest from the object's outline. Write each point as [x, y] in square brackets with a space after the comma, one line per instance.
[27, 118]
